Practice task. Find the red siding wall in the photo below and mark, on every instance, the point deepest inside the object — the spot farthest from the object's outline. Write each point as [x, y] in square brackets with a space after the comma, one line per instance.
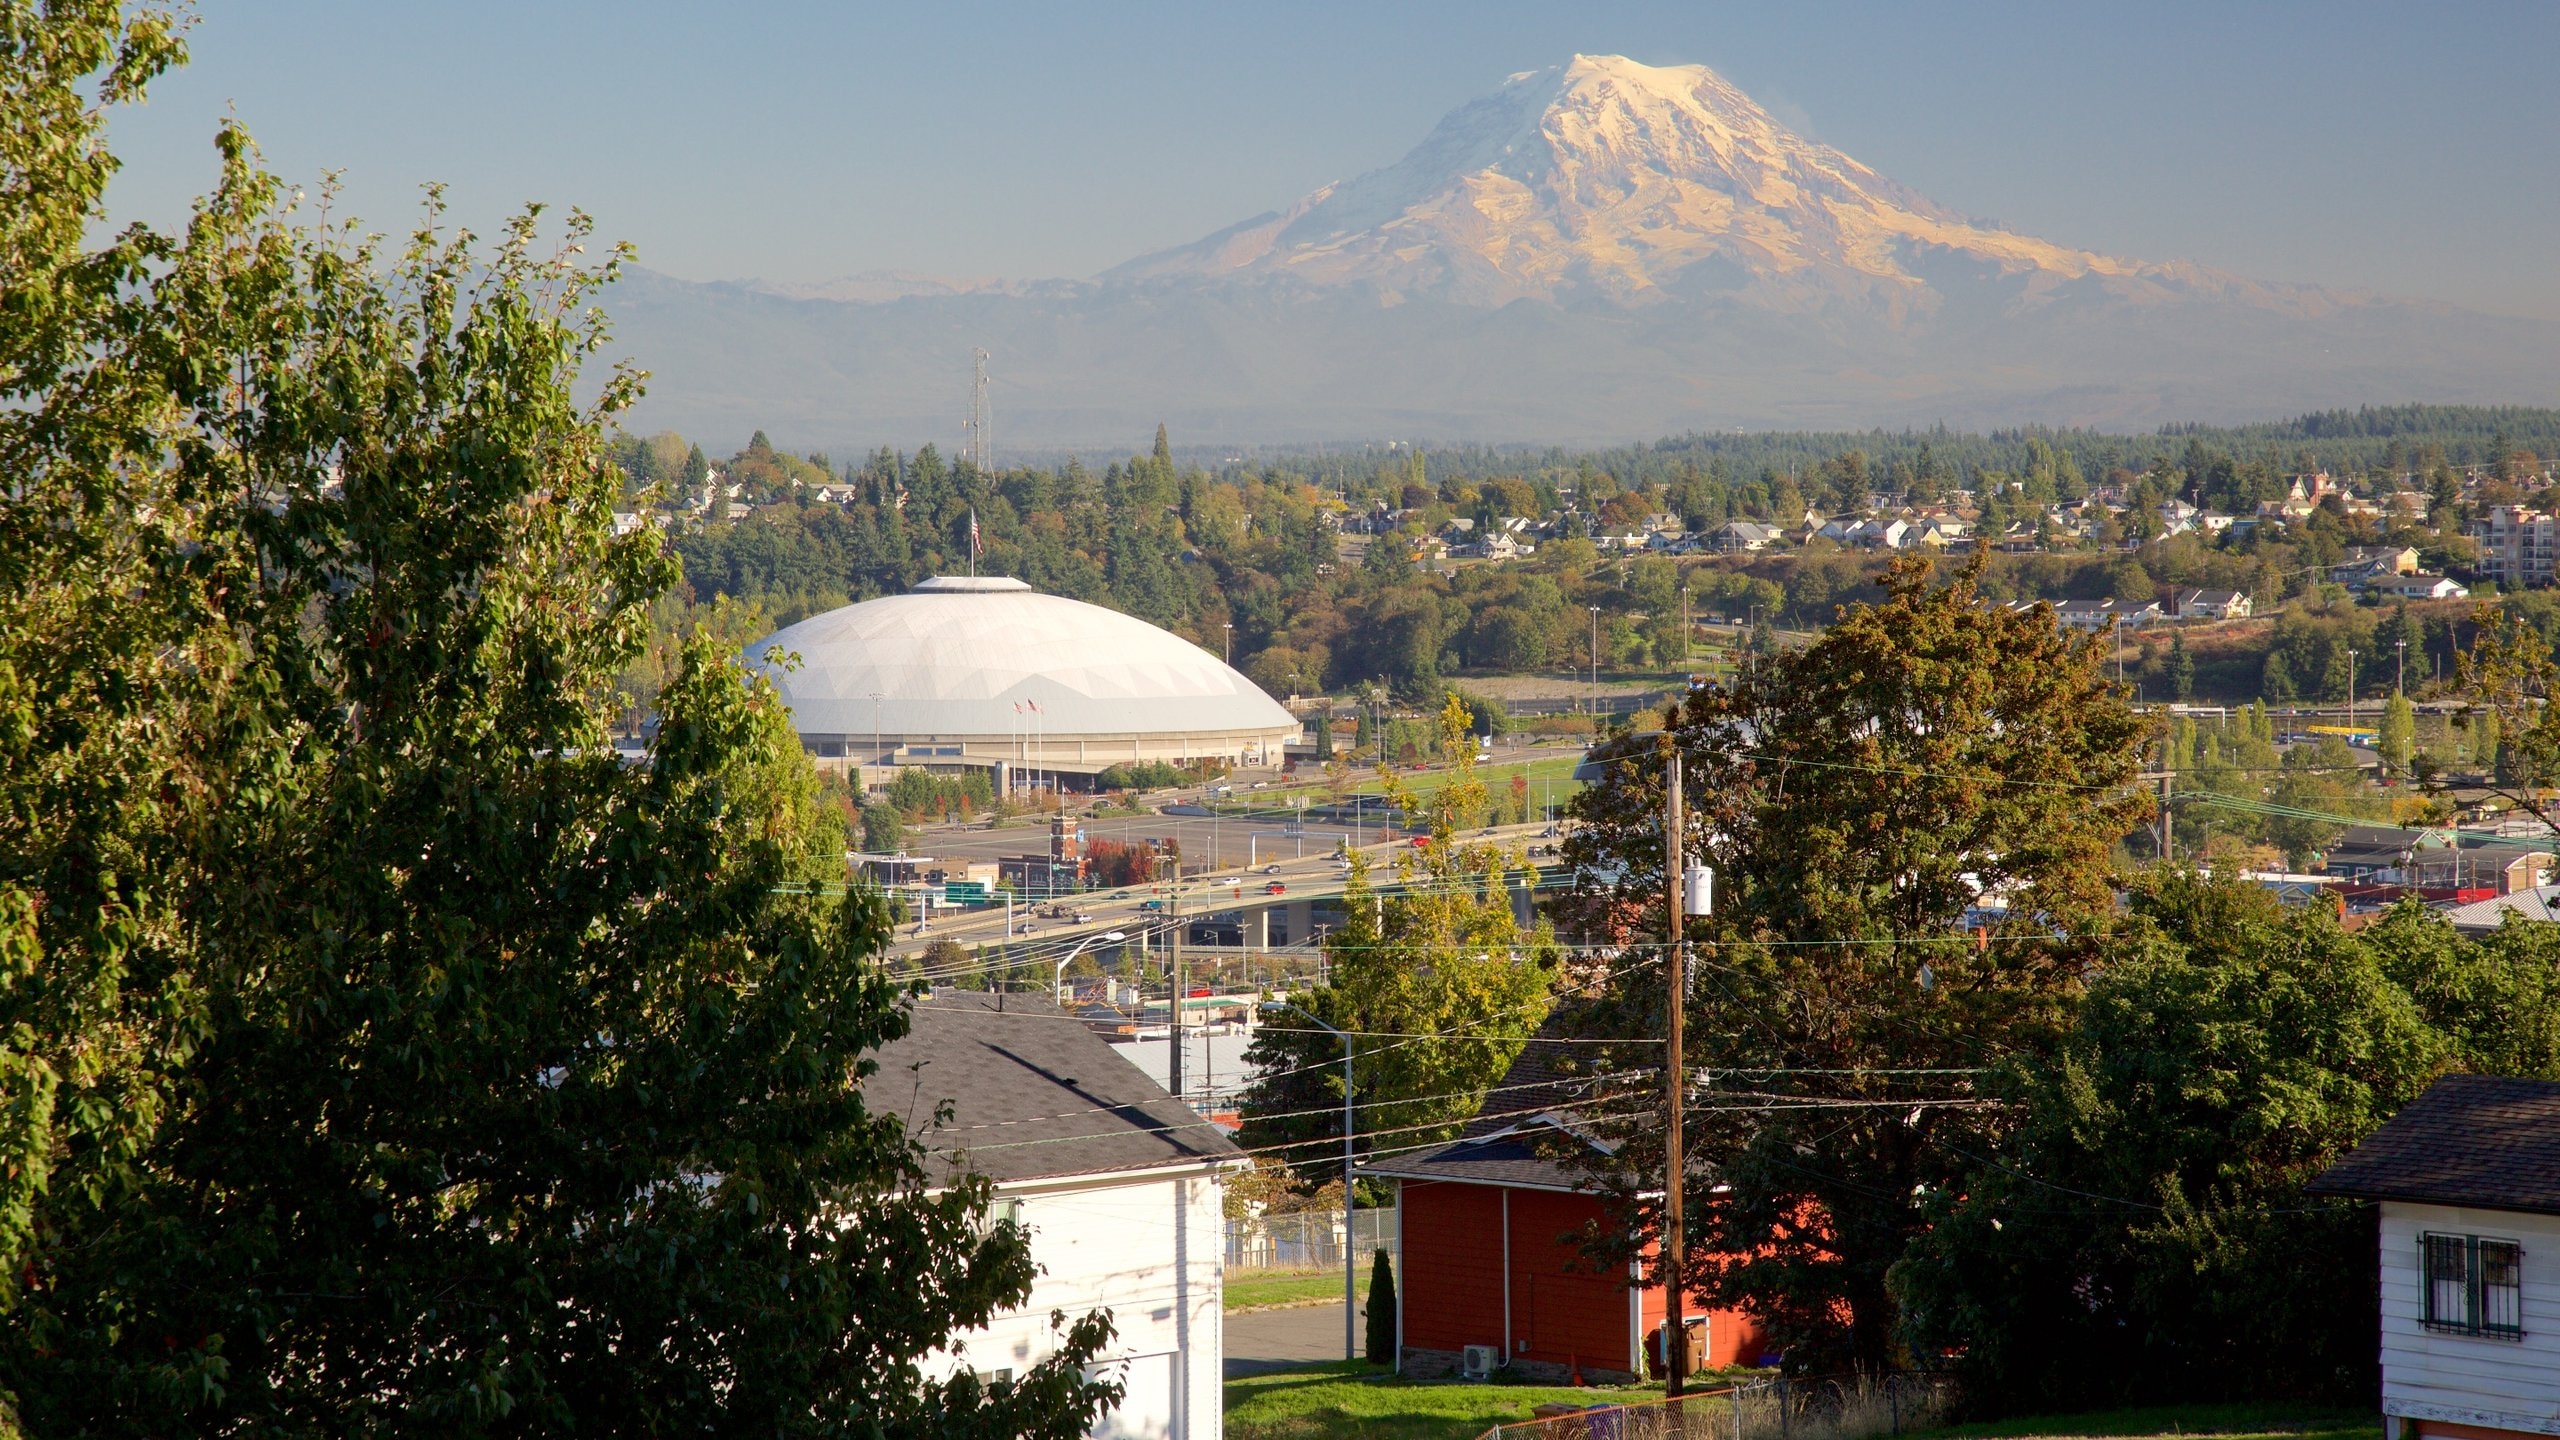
[1562, 1311]
[1450, 1291]
[1732, 1337]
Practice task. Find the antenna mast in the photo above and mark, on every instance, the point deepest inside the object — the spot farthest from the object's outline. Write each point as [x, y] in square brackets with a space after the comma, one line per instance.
[981, 453]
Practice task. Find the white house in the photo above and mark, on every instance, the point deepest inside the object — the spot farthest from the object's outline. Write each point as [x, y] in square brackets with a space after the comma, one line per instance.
[2468, 1180]
[1120, 1185]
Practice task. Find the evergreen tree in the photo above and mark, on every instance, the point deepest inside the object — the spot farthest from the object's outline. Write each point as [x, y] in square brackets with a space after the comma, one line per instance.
[2180, 669]
[1381, 1314]
[2275, 680]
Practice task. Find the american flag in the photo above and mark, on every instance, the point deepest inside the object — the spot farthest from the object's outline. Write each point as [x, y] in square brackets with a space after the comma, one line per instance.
[975, 549]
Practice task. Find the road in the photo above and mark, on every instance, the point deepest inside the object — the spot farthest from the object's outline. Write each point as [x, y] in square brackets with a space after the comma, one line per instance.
[1316, 877]
[1259, 1341]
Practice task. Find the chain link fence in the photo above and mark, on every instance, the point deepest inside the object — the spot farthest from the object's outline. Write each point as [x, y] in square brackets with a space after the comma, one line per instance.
[1853, 1407]
[1307, 1239]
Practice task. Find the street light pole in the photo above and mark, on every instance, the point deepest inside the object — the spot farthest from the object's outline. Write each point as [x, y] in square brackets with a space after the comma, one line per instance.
[875, 727]
[2400, 676]
[1111, 936]
[1595, 657]
[1350, 1350]
[1231, 642]
[2351, 695]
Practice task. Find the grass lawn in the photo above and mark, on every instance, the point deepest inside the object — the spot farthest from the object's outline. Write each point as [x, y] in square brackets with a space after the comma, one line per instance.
[1262, 1289]
[1353, 1401]
[2191, 1422]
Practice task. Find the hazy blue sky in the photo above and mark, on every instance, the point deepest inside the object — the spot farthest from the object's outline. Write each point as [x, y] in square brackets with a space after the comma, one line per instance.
[2412, 149]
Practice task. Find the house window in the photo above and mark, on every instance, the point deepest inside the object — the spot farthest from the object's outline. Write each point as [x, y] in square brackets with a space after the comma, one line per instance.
[2472, 1286]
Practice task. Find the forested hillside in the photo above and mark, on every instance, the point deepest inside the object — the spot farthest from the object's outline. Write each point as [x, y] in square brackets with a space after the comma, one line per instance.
[1323, 571]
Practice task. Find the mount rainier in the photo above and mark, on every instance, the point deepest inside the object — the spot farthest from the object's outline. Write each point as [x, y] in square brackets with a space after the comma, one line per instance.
[1599, 251]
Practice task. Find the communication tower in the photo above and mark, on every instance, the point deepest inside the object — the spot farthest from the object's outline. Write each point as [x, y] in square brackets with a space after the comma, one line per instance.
[981, 453]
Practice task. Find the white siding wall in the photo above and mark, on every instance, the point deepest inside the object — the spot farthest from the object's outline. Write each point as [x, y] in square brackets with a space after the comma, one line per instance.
[1152, 1253]
[2473, 1380]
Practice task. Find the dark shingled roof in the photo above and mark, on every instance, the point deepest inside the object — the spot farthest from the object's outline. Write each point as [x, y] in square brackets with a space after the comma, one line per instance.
[2477, 1140]
[1515, 1139]
[1034, 1094]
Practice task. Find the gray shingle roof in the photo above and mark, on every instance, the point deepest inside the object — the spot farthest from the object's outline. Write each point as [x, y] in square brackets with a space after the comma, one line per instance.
[2476, 1140]
[1033, 1094]
[1526, 1123]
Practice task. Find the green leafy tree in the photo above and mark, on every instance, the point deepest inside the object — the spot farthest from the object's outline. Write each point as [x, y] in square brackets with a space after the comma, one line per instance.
[1863, 799]
[884, 830]
[2397, 734]
[1441, 961]
[2145, 1235]
[519, 1085]
[109, 648]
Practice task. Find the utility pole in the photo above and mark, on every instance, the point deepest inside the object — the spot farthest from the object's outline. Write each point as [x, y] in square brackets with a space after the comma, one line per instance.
[1181, 985]
[2351, 694]
[1231, 641]
[1674, 1332]
[2400, 676]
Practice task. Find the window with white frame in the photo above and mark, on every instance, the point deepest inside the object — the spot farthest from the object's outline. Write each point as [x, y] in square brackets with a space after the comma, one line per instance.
[2471, 1285]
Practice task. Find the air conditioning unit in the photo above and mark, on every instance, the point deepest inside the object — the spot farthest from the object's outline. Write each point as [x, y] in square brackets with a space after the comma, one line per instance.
[1480, 1360]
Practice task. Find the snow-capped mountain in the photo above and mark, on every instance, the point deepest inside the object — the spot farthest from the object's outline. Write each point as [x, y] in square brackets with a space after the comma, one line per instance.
[1610, 179]
[1600, 251]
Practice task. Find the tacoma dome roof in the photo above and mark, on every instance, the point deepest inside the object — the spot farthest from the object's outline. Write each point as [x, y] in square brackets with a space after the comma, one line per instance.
[956, 656]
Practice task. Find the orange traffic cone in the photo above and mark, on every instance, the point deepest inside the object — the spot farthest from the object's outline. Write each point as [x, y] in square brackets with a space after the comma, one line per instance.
[1573, 1371]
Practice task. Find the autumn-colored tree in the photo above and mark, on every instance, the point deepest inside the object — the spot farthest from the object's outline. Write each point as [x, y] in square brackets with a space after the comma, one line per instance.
[1911, 822]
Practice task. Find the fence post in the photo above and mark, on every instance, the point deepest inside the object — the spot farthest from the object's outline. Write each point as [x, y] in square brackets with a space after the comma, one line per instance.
[1785, 1420]
[1893, 1401]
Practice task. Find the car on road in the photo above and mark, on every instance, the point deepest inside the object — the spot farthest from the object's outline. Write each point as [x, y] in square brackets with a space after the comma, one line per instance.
[1276, 888]
[1274, 870]
[1150, 904]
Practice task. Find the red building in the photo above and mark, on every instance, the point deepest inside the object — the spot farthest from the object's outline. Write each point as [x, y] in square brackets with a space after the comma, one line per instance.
[1489, 1237]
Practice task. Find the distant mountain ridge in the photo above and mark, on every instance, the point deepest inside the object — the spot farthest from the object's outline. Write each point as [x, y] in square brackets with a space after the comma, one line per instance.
[1602, 250]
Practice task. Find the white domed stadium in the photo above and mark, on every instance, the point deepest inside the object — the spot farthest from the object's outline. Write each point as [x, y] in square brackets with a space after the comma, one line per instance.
[984, 672]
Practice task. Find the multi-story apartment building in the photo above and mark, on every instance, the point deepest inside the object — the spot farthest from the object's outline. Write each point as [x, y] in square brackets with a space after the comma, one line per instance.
[2517, 546]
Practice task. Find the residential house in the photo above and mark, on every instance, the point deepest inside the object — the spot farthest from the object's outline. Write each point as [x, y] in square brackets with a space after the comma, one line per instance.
[2363, 562]
[2198, 604]
[2420, 586]
[1489, 1227]
[1120, 1185]
[2467, 1181]
[2435, 860]
[2482, 916]
[1745, 536]
[2517, 546]
[2107, 614]
[1503, 545]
